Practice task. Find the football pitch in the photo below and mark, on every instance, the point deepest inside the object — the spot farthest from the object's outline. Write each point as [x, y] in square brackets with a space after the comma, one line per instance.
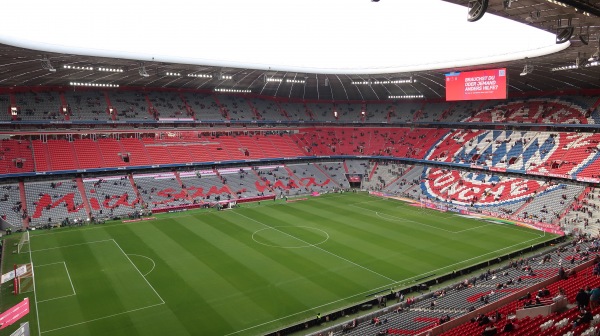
[246, 271]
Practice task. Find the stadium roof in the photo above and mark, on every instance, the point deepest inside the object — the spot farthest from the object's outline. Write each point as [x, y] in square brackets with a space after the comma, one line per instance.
[27, 67]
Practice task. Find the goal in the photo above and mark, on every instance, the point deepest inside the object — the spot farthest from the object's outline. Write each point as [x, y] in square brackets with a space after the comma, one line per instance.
[24, 280]
[23, 246]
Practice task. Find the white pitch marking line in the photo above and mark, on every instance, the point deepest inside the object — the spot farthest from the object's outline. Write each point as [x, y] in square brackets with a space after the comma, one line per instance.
[56, 298]
[400, 220]
[101, 318]
[315, 246]
[142, 256]
[126, 256]
[54, 263]
[474, 228]
[59, 247]
[37, 311]
[404, 281]
[69, 276]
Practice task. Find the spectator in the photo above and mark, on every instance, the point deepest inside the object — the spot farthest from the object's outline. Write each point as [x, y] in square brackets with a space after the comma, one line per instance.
[585, 316]
[490, 330]
[595, 298]
[582, 298]
[510, 326]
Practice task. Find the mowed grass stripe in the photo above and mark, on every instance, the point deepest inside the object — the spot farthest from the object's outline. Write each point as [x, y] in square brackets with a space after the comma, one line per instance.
[372, 243]
[178, 277]
[243, 262]
[354, 242]
[371, 236]
[271, 218]
[291, 267]
[233, 276]
[428, 247]
[304, 293]
[217, 280]
[100, 291]
[56, 284]
[192, 290]
[286, 284]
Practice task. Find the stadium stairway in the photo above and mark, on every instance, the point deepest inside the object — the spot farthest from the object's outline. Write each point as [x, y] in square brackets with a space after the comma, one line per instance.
[446, 112]
[254, 110]
[113, 115]
[219, 175]
[579, 199]
[266, 184]
[391, 112]
[64, 104]
[309, 112]
[291, 173]
[391, 182]
[81, 187]
[595, 105]
[282, 111]
[222, 109]
[41, 156]
[23, 203]
[188, 109]
[325, 173]
[373, 170]
[178, 178]
[149, 106]
[183, 186]
[133, 185]
[410, 174]
[526, 203]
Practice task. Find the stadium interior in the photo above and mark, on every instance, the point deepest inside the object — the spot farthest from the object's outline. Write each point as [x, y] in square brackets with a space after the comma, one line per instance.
[87, 139]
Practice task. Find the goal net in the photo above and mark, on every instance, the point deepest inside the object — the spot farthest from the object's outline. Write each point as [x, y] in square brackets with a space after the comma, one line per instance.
[23, 245]
[24, 280]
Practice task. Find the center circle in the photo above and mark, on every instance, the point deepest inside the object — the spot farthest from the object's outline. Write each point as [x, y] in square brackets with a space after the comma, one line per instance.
[290, 236]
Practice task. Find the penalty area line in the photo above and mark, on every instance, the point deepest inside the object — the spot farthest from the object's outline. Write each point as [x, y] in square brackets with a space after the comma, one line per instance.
[101, 318]
[64, 246]
[137, 269]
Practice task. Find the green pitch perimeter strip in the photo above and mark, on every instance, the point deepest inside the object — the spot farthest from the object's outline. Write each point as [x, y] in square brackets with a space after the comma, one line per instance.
[251, 270]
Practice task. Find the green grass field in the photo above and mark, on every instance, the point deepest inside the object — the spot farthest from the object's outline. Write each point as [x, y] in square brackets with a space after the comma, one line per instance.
[247, 271]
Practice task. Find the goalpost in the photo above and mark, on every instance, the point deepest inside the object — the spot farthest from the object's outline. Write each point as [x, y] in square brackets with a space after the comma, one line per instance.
[23, 246]
[24, 279]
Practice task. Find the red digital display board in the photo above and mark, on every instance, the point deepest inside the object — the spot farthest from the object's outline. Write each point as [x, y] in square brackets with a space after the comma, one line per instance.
[476, 85]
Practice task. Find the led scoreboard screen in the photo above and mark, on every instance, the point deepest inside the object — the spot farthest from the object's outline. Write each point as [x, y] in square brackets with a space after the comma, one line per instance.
[476, 85]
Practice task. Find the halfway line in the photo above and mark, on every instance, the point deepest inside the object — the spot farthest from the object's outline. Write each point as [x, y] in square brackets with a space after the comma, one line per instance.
[315, 246]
